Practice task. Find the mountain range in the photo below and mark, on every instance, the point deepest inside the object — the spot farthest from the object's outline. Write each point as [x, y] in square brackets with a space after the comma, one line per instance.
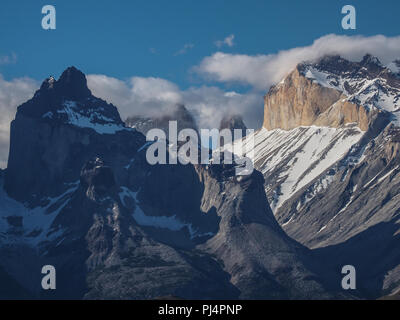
[79, 194]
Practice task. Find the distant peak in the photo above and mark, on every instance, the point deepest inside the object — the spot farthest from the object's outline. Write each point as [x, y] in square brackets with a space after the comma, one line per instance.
[70, 74]
[330, 58]
[232, 121]
[370, 59]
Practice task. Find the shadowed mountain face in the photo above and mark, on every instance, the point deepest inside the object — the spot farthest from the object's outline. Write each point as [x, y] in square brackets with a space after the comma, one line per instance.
[79, 195]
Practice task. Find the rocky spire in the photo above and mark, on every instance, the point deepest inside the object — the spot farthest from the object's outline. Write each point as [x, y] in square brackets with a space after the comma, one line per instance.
[72, 84]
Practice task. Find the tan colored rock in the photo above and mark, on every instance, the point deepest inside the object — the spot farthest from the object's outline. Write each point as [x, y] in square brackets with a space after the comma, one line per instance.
[344, 112]
[298, 101]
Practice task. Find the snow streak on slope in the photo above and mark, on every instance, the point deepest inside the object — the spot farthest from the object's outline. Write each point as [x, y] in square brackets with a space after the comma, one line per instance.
[289, 160]
[367, 83]
[171, 223]
[367, 92]
[20, 224]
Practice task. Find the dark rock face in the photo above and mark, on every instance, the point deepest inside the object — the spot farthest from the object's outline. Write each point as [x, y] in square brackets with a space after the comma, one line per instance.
[117, 228]
[97, 178]
[11, 289]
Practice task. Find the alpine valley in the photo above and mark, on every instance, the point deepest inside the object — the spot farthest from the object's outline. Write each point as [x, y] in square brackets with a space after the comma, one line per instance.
[79, 194]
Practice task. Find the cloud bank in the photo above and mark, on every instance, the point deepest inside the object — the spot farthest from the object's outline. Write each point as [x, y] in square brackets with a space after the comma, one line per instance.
[156, 96]
[262, 71]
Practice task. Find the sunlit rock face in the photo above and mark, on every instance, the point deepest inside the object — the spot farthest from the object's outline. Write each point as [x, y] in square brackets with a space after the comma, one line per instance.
[332, 92]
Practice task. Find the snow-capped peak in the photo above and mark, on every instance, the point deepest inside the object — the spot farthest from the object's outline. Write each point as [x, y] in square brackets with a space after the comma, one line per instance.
[366, 83]
[69, 101]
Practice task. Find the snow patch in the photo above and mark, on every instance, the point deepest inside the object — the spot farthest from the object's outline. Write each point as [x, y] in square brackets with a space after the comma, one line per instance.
[36, 222]
[89, 120]
[164, 222]
[371, 93]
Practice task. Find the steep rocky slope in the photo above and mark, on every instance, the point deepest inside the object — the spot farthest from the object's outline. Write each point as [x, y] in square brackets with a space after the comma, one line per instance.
[328, 152]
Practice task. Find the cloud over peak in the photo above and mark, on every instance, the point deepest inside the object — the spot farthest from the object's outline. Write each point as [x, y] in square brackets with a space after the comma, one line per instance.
[156, 96]
[12, 94]
[262, 71]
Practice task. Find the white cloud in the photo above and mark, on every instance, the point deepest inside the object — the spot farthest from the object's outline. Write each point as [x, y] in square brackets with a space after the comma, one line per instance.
[12, 94]
[228, 41]
[261, 71]
[210, 104]
[155, 96]
[8, 59]
[185, 49]
[136, 96]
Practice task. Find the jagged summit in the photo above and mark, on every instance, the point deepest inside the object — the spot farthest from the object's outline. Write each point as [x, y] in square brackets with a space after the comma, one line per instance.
[369, 59]
[71, 85]
[59, 130]
[333, 92]
[68, 100]
[369, 67]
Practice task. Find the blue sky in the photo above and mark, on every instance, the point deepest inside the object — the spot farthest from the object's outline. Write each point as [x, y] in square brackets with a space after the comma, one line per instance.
[126, 38]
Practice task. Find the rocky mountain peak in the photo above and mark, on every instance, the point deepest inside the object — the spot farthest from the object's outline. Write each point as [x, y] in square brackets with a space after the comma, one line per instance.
[369, 59]
[68, 100]
[231, 122]
[72, 84]
[62, 126]
[333, 92]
